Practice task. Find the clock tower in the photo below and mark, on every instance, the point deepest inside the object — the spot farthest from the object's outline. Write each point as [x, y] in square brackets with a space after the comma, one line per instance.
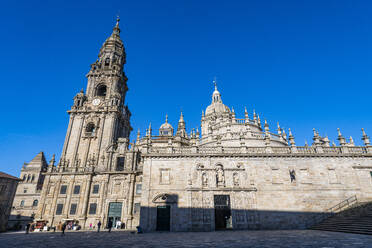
[99, 116]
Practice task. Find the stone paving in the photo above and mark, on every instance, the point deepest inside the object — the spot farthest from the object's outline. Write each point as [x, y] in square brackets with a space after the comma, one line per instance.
[291, 238]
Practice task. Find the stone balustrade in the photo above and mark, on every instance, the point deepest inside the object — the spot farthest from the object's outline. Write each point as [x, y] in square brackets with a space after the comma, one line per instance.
[260, 150]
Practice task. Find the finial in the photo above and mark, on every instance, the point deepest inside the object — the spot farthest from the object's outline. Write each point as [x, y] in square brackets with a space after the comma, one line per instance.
[232, 109]
[339, 132]
[117, 21]
[181, 117]
[116, 29]
[314, 131]
[306, 143]
[245, 110]
[215, 83]
[363, 132]
[333, 143]
[166, 118]
[82, 90]
[352, 141]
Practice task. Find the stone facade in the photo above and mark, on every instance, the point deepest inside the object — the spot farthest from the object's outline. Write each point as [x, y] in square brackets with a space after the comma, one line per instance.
[234, 174]
[8, 186]
[27, 197]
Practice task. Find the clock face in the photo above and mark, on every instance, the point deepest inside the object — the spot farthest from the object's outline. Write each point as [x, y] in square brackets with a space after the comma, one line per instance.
[96, 101]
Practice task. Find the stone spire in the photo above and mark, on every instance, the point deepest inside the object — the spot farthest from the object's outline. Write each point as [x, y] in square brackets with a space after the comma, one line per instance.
[246, 115]
[53, 160]
[365, 138]
[255, 117]
[149, 130]
[258, 120]
[291, 138]
[138, 136]
[181, 128]
[316, 137]
[279, 130]
[351, 143]
[266, 127]
[341, 138]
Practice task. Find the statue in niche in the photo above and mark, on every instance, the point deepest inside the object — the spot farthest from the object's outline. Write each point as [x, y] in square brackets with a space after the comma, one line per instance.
[77, 162]
[103, 159]
[292, 175]
[220, 177]
[189, 181]
[205, 179]
[236, 179]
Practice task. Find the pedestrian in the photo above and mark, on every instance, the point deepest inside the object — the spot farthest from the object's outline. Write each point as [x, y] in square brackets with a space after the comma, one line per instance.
[109, 225]
[28, 228]
[90, 226]
[99, 225]
[139, 229]
[63, 229]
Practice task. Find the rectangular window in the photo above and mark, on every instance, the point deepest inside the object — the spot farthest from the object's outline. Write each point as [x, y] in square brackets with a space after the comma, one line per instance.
[275, 173]
[164, 176]
[25, 190]
[77, 189]
[120, 164]
[137, 208]
[138, 189]
[73, 208]
[95, 189]
[59, 209]
[63, 189]
[332, 176]
[2, 189]
[92, 208]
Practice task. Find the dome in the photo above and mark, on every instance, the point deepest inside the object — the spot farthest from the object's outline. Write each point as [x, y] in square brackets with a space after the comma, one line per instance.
[166, 126]
[217, 106]
[166, 129]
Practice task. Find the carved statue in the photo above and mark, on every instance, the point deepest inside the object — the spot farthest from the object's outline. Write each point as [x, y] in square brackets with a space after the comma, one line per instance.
[204, 179]
[220, 177]
[292, 175]
[236, 179]
[103, 159]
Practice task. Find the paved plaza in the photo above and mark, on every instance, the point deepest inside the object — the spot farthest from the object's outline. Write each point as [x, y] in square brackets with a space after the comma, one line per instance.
[298, 238]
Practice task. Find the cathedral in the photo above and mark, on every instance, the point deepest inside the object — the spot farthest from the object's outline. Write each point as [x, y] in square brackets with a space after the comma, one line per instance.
[235, 173]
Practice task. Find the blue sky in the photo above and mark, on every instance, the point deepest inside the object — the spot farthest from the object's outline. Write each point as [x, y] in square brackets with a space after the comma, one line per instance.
[306, 64]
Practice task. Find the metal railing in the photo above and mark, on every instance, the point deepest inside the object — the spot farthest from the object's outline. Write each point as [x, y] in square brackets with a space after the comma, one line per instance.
[345, 203]
[329, 212]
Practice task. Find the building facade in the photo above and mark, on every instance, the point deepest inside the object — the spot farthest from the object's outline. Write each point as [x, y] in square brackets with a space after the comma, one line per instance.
[27, 197]
[233, 174]
[8, 186]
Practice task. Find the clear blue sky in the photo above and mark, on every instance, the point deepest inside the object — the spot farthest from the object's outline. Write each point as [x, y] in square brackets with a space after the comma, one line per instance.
[303, 63]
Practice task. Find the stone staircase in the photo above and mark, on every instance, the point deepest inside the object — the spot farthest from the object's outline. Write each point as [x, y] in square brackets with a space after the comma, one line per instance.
[353, 217]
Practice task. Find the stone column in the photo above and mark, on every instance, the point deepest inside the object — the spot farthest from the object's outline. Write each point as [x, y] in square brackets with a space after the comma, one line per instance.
[86, 198]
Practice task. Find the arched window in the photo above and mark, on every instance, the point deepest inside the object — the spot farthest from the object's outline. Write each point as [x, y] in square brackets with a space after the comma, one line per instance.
[28, 178]
[34, 204]
[107, 61]
[32, 178]
[101, 90]
[90, 129]
[24, 177]
[22, 203]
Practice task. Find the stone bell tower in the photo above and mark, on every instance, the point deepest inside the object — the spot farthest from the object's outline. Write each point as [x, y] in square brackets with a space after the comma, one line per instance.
[99, 116]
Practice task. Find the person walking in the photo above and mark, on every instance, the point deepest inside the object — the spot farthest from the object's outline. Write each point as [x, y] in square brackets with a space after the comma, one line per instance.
[109, 225]
[63, 229]
[99, 225]
[28, 228]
